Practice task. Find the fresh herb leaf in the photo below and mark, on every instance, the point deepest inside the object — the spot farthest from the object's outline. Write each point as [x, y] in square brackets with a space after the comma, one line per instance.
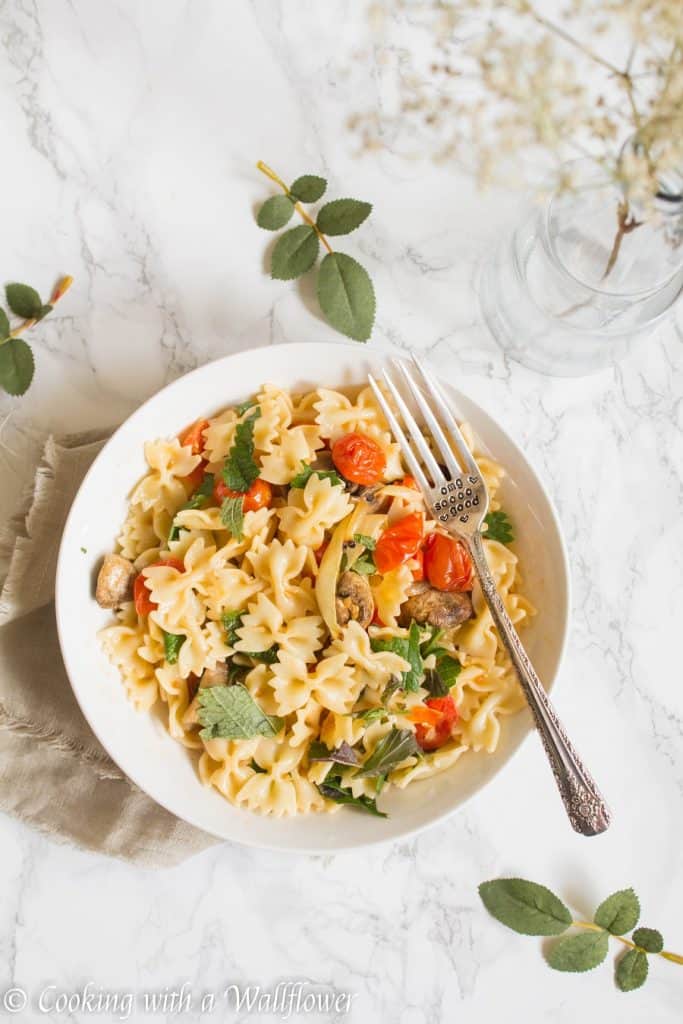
[648, 939]
[241, 469]
[245, 406]
[295, 252]
[448, 668]
[309, 188]
[307, 471]
[267, 657]
[231, 621]
[498, 527]
[364, 566]
[343, 754]
[24, 301]
[391, 750]
[275, 213]
[237, 673]
[435, 684]
[16, 366]
[407, 648]
[619, 913]
[526, 907]
[390, 689]
[230, 712]
[5, 328]
[368, 542]
[632, 969]
[196, 500]
[257, 767]
[370, 714]
[232, 515]
[172, 644]
[580, 952]
[342, 216]
[431, 644]
[346, 295]
[379, 783]
[333, 790]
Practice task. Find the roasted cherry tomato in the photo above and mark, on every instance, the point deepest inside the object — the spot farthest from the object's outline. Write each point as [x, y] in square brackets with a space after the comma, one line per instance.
[447, 563]
[193, 437]
[399, 542]
[419, 569]
[194, 479]
[359, 459]
[259, 495]
[143, 601]
[432, 735]
[409, 481]
[376, 621]
[319, 552]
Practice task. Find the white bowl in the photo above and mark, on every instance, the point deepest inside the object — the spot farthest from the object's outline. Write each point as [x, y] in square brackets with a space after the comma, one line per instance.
[138, 742]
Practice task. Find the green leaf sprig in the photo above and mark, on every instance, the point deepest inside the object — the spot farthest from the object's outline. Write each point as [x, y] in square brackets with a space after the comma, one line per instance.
[17, 365]
[345, 291]
[532, 909]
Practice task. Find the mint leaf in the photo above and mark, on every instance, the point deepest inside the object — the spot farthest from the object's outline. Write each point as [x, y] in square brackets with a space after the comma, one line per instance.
[24, 301]
[368, 542]
[498, 528]
[364, 566]
[4, 325]
[333, 790]
[435, 684]
[448, 669]
[346, 295]
[16, 366]
[275, 213]
[370, 714]
[343, 754]
[631, 971]
[431, 644]
[648, 939]
[579, 952]
[342, 216]
[196, 500]
[295, 252]
[619, 913]
[172, 644]
[409, 649]
[309, 188]
[307, 471]
[391, 750]
[232, 516]
[241, 469]
[231, 713]
[267, 657]
[244, 406]
[526, 907]
[231, 620]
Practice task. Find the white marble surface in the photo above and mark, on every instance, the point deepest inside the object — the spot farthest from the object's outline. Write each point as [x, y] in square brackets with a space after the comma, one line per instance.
[130, 132]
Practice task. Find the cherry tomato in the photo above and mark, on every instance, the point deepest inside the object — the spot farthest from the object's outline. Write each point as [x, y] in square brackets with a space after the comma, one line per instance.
[432, 736]
[376, 621]
[194, 479]
[399, 542]
[319, 552]
[359, 459]
[419, 569]
[447, 563]
[259, 495]
[409, 481]
[141, 595]
[193, 437]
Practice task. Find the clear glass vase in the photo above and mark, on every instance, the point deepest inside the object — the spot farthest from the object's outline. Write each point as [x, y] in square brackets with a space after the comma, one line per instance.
[567, 293]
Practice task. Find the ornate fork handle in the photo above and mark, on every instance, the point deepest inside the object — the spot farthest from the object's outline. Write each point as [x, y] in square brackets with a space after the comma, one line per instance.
[585, 805]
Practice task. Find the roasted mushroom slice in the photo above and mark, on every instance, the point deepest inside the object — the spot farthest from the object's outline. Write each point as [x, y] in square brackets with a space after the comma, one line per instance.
[354, 600]
[443, 609]
[115, 581]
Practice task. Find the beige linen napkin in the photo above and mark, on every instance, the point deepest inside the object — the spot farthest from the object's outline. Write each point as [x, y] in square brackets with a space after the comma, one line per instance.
[54, 774]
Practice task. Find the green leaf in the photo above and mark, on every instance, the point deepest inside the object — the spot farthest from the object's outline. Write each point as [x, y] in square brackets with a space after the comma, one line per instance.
[232, 516]
[245, 406]
[333, 790]
[409, 649]
[309, 188]
[632, 970]
[580, 952]
[364, 565]
[231, 713]
[267, 657]
[526, 907]
[498, 528]
[24, 301]
[368, 542]
[307, 471]
[370, 714]
[172, 644]
[4, 325]
[391, 750]
[435, 684]
[196, 500]
[648, 939]
[275, 213]
[342, 216]
[241, 468]
[343, 754]
[16, 366]
[448, 668]
[231, 620]
[44, 310]
[295, 252]
[619, 913]
[346, 295]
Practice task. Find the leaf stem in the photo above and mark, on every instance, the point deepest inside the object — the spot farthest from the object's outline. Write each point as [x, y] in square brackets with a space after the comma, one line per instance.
[270, 173]
[61, 288]
[674, 957]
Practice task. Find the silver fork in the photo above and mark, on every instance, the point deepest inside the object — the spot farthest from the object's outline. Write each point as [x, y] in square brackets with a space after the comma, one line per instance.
[459, 501]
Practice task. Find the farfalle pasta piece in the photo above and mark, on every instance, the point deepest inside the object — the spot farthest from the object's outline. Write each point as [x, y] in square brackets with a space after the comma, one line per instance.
[332, 683]
[313, 509]
[263, 626]
[163, 487]
[377, 666]
[284, 459]
[390, 591]
[279, 566]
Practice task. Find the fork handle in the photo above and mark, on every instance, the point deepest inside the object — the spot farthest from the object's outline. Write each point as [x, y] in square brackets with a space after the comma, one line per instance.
[583, 801]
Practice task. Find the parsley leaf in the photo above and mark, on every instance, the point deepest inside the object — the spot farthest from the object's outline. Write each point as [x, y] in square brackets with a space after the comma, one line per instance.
[343, 754]
[391, 750]
[409, 649]
[241, 469]
[498, 527]
[196, 500]
[368, 542]
[231, 713]
[232, 515]
[172, 644]
[307, 471]
[333, 790]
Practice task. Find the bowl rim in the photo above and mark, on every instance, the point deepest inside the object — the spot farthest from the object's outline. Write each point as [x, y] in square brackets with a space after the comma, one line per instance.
[301, 348]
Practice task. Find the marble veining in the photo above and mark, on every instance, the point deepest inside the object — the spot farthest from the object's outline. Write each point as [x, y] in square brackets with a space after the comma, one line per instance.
[130, 135]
